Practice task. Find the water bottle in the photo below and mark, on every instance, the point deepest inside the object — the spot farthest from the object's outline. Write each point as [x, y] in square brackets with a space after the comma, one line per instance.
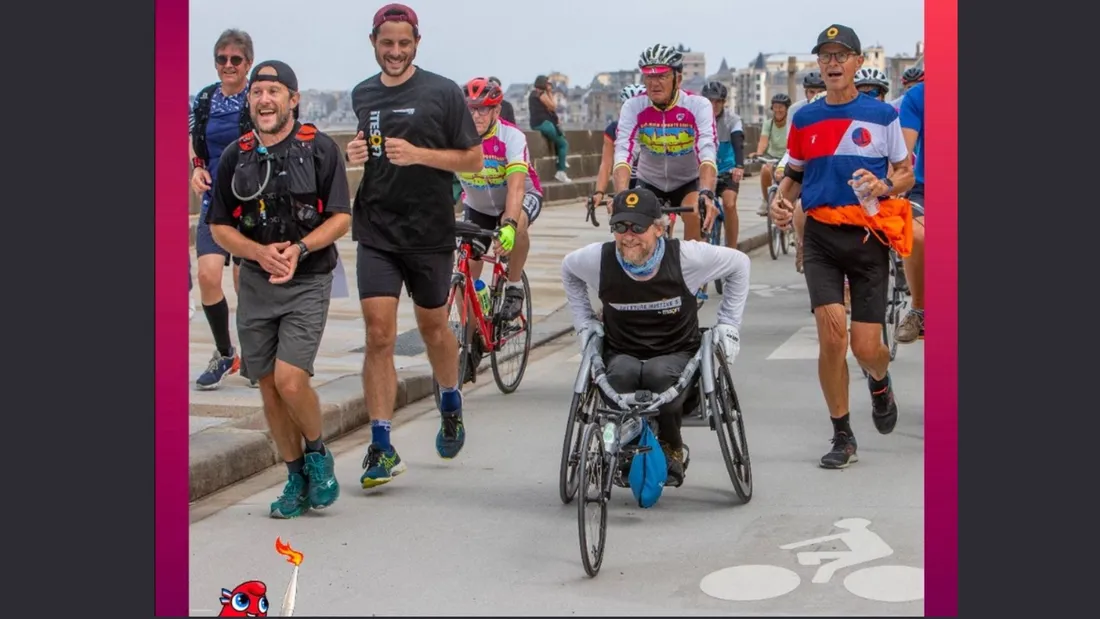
[869, 203]
[483, 294]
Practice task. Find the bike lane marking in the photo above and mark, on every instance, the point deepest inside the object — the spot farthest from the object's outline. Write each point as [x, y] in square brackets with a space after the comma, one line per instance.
[882, 583]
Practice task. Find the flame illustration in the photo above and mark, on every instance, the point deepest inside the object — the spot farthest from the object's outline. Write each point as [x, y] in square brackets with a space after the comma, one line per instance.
[292, 556]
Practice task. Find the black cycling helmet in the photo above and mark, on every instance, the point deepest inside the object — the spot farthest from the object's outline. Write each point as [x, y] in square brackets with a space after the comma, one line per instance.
[813, 79]
[715, 91]
[781, 99]
[912, 75]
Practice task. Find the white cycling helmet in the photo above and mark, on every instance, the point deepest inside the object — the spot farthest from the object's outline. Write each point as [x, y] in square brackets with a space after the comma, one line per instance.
[631, 91]
[661, 56]
[873, 77]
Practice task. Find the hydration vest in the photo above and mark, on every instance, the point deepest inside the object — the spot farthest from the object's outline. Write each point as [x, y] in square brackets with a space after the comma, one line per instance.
[202, 117]
[288, 206]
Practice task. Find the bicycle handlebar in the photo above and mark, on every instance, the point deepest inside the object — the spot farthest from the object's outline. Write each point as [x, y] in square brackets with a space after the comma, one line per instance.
[762, 159]
[591, 215]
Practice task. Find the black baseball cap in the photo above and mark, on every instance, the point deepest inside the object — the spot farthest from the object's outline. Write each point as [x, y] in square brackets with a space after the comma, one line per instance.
[282, 74]
[839, 34]
[637, 206]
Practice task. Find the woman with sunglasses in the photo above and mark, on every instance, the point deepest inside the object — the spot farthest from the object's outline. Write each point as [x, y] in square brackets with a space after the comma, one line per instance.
[219, 116]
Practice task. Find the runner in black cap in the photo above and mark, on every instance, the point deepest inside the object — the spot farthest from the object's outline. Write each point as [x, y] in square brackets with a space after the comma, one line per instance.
[838, 146]
[280, 203]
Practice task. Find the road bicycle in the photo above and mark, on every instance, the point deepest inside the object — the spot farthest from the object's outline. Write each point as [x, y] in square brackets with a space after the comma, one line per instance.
[480, 330]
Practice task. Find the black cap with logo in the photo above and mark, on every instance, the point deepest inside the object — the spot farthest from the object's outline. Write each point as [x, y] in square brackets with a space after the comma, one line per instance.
[639, 206]
[842, 35]
[282, 74]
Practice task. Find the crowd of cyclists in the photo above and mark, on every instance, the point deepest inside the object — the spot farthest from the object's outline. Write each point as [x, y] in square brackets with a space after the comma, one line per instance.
[840, 146]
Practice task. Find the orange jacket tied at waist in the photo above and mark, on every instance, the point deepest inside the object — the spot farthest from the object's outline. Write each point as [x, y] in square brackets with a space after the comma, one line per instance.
[894, 220]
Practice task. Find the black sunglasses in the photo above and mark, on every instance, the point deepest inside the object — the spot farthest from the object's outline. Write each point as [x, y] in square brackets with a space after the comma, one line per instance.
[620, 227]
[234, 60]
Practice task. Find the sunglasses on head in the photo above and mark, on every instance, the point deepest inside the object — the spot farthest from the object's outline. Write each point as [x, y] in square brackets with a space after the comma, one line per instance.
[621, 227]
[222, 59]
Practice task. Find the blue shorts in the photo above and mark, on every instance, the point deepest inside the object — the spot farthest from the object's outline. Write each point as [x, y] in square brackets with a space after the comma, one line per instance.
[204, 240]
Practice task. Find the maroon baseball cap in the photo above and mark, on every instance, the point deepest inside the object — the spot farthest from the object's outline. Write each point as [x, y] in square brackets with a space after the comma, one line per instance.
[395, 12]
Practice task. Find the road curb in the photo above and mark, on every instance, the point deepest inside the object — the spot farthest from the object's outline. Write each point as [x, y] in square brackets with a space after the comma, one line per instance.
[222, 456]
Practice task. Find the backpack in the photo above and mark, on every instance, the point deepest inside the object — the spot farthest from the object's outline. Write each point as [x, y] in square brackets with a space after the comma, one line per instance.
[648, 470]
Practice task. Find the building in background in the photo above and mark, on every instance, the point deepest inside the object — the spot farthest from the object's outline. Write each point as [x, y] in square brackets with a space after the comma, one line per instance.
[595, 104]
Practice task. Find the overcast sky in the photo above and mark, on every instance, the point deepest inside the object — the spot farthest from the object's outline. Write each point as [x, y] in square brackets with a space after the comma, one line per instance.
[326, 41]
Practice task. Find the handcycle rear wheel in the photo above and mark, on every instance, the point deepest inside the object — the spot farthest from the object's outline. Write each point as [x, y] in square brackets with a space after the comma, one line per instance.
[593, 469]
[461, 326]
[729, 424]
[497, 356]
[579, 415]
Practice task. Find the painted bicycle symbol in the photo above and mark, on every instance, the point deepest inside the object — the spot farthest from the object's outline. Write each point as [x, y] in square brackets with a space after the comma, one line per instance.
[881, 583]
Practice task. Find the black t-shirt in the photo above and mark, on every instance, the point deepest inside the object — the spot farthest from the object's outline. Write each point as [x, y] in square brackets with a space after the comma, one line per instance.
[538, 110]
[409, 208]
[332, 186]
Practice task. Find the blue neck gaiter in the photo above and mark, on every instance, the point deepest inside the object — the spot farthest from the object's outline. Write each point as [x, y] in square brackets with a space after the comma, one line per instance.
[649, 267]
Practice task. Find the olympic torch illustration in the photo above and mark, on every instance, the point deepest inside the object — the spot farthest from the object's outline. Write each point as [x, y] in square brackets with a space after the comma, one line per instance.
[295, 558]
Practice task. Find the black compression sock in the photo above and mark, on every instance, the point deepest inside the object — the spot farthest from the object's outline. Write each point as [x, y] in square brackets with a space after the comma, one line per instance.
[315, 446]
[296, 466]
[218, 317]
[840, 424]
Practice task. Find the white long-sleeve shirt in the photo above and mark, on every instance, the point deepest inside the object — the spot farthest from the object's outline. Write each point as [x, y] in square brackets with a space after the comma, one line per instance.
[699, 263]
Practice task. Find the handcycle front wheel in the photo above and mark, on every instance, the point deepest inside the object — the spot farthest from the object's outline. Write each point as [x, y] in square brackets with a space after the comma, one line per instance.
[505, 333]
[593, 469]
[579, 414]
[728, 422]
[461, 326]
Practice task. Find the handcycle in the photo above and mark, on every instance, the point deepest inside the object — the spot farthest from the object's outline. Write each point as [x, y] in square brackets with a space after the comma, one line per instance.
[479, 331]
[779, 239]
[598, 437]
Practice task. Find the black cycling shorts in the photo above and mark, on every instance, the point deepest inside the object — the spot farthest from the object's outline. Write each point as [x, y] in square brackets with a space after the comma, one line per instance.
[674, 197]
[532, 206]
[916, 199]
[427, 277]
[726, 182]
[831, 253]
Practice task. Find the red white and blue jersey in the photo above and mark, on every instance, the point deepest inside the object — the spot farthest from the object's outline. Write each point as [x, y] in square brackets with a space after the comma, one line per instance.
[831, 142]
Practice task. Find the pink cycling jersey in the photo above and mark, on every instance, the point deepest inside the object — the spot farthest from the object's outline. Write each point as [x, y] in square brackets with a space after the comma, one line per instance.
[665, 140]
[505, 153]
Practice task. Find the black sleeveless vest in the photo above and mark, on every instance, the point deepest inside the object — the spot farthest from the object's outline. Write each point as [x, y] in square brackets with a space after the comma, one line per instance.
[647, 319]
[288, 208]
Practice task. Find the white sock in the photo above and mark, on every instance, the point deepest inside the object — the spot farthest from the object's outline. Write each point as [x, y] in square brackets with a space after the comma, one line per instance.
[518, 284]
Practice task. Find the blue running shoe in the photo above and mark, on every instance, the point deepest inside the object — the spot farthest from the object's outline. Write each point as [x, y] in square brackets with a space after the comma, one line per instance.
[381, 466]
[219, 368]
[452, 433]
[294, 501]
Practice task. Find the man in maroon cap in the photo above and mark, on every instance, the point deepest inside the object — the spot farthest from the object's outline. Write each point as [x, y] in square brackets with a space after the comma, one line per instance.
[415, 133]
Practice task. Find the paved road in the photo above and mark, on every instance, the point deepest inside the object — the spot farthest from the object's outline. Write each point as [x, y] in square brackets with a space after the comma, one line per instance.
[486, 534]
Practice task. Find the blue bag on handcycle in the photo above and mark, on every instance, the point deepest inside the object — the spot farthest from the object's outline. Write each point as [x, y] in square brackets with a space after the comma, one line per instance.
[648, 470]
